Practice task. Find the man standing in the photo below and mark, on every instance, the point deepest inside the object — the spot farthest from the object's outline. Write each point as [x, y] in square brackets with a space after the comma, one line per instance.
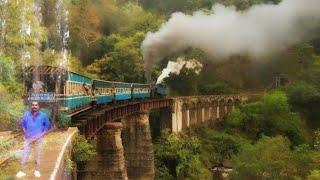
[34, 124]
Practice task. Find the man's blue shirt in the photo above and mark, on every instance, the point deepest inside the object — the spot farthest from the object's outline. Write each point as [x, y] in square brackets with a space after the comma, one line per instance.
[35, 126]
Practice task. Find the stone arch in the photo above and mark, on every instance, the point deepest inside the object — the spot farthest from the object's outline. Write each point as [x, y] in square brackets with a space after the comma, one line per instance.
[192, 105]
[193, 113]
[200, 106]
[185, 106]
[237, 102]
[214, 110]
[229, 105]
[207, 109]
[222, 108]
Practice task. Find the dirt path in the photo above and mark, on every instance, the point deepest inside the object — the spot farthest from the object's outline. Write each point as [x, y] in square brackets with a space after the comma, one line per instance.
[53, 144]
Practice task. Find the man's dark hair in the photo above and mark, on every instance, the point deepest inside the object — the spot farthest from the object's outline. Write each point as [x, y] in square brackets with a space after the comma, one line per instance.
[35, 102]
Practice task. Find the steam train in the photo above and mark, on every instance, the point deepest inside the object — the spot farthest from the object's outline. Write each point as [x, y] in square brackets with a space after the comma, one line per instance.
[74, 92]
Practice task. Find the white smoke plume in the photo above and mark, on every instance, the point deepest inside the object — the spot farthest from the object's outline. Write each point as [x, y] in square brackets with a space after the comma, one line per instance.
[259, 31]
[175, 68]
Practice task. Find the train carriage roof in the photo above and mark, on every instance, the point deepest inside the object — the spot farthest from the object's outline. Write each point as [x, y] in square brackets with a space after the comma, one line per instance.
[43, 69]
[102, 83]
[73, 76]
[122, 85]
[139, 85]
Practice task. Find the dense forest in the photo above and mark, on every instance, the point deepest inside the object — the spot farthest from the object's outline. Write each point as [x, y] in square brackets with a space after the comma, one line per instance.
[275, 136]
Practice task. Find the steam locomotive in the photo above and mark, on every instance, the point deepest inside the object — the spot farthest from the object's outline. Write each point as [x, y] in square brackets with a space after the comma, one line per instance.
[74, 91]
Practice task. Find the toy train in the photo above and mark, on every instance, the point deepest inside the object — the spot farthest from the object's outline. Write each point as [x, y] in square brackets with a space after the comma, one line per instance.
[74, 91]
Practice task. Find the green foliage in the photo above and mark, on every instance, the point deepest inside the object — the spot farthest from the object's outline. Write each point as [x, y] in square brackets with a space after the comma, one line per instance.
[270, 116]
[64, 119]
[187, 83]
[8, 75]
[188, 6]
[219, 147]
[314, 175]
[306, 52]
[311, 76]
[271, 158]
[305, 97]
[123, 61]
[47, 111]
[6, 69]
[162, 172]
[69, 166]
[14, 41]
[316, 140]
[82, 149]
[214, 89]
[180, 154]
[11, 109]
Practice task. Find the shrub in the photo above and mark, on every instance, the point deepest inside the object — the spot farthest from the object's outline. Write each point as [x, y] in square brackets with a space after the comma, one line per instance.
[82, 149]
[64, 119]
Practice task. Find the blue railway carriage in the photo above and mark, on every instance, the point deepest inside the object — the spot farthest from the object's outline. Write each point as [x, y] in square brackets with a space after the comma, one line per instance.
[122, 91]
[140, 91]
[77, 91]
[103, 91]
[49, 85]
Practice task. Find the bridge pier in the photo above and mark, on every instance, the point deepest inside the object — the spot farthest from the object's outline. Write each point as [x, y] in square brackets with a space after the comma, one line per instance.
[138, 146]
[185, 118]
[214, 114]
[109, 163]
[176, 118]
[193, 116]
[199, 114]
[206, 113]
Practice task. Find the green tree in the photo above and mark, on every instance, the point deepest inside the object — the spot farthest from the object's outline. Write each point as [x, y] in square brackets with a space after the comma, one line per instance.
[22, 31]
[123, 61]
[11, 109]
[85, 27]
[306, 55]
[271, 158]
[305, 98]
[270, 116]
[180, 155]
[219, 147]
[187, 82]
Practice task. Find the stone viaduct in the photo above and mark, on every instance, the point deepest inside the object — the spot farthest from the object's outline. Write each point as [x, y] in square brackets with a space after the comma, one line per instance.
[122, 135]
